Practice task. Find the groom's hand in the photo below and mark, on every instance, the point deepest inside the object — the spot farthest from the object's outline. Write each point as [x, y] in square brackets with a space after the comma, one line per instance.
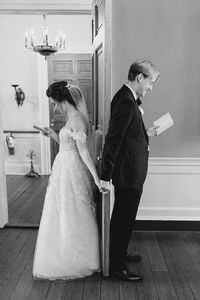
[105, 186]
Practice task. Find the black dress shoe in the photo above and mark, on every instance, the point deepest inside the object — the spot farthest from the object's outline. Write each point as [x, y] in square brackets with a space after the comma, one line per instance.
[133, 257]
[125, 274]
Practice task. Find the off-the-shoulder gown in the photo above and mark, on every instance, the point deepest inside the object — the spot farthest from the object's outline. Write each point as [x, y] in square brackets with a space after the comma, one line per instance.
[67, 245]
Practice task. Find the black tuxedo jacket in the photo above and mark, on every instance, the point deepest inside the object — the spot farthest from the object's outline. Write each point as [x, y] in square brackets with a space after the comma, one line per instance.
[125, 153]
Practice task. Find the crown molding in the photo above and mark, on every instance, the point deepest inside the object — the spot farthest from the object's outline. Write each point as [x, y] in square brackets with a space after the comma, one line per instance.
[47, 8]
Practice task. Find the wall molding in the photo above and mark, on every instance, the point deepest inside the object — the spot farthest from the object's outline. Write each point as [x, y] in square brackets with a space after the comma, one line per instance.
[20, 167]
[175, 165]
[56, 8]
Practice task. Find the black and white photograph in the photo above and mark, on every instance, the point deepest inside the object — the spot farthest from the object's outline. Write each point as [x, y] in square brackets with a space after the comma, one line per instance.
[99, 150]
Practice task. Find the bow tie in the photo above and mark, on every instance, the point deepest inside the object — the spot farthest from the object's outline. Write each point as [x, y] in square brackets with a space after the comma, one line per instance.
[139, 102]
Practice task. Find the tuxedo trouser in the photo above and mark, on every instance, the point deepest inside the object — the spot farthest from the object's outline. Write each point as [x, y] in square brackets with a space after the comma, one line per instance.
[123, 216]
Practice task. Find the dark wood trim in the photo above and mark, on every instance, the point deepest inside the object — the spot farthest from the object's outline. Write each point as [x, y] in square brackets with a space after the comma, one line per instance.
[150, 225]
[20, 131]
[20, 225]
[142, 225]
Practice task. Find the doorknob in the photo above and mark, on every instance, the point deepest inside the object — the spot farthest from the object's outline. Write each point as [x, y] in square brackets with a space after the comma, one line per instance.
[99, 158]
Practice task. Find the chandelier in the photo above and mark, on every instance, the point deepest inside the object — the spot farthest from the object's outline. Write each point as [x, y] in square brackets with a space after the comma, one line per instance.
[44, 48]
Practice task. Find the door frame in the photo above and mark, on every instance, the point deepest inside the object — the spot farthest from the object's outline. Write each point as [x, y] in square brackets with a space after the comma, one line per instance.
[30, 9]
[103, 40]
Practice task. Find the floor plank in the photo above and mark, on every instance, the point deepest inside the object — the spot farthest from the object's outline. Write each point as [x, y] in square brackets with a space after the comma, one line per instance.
[15, 248]
[191, 271]
[73, 290]
[175, 269]
[56, 290]
[155, 255]
[25, 199]
[15, 271]
[39, 289]
[164, 285]
[92, 286]
[22, 289]
[177, 277]
[110, 289]
[147, 290]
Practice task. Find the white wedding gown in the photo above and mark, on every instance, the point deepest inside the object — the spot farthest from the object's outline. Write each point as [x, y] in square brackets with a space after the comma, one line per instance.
[68, 242]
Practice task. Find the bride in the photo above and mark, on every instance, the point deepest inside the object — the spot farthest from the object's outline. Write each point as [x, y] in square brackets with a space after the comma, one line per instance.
[67, 245]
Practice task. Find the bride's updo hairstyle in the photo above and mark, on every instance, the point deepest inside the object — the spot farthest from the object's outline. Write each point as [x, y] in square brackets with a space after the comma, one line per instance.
[59, 91]
[62, 91]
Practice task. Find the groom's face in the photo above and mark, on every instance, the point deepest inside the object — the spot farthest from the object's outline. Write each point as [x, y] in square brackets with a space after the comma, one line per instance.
[145, 84]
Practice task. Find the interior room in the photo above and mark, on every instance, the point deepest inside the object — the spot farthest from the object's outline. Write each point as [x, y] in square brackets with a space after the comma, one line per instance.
[110, 36]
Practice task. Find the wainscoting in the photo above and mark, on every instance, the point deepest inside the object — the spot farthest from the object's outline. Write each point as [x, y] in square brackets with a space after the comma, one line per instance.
[171, 193]
[19, 163]
[171, 190]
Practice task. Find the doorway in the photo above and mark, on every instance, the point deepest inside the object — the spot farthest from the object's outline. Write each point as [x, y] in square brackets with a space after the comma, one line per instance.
[25, 195]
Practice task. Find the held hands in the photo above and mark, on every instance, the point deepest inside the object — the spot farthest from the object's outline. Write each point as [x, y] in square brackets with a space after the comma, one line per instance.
[105, 186]
[152, 131]
[97, 182]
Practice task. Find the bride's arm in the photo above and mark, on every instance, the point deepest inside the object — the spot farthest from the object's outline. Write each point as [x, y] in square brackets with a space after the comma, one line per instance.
[80, 127]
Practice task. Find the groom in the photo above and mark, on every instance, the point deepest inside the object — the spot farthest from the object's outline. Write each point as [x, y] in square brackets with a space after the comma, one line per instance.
[125, 161]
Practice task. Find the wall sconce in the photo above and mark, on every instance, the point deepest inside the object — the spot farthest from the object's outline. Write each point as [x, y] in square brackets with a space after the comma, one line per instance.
[19, 95]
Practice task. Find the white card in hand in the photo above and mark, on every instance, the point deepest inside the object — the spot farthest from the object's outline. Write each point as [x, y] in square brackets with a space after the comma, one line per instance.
[164, 123]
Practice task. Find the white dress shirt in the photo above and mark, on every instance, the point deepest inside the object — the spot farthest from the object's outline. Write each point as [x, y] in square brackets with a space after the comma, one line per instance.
[135, 97]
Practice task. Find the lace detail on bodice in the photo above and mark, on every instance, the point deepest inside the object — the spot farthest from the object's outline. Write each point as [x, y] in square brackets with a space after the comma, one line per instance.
[68, 138]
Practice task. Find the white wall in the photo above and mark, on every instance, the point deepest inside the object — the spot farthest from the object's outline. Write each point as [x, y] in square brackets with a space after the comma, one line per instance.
[20, 66]
[165, 32]
[3, 192]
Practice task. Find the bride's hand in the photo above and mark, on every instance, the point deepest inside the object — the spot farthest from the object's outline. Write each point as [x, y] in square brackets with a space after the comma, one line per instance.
[49, 132]
[98, 184]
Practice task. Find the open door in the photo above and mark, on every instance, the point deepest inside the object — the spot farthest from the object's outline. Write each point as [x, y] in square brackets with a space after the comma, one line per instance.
[101, 66]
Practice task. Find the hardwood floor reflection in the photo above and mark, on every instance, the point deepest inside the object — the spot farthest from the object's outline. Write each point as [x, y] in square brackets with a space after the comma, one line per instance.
[25, 199]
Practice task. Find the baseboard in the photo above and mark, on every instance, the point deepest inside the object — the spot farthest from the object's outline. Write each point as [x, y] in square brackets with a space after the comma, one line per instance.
[148, 225]
[138, 226]
[165, 213]
[22, 225]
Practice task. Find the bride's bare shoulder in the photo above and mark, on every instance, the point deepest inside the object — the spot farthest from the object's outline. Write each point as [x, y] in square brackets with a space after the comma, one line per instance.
[78, 122]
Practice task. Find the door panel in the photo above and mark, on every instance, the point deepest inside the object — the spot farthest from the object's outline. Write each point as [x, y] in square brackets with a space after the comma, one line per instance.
[99, 105]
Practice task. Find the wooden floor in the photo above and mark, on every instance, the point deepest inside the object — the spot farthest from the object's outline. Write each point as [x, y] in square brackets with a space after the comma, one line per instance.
[170, 266]
[25, 199]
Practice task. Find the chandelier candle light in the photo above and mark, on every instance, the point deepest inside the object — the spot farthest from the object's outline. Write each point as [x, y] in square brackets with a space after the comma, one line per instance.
[45, 49]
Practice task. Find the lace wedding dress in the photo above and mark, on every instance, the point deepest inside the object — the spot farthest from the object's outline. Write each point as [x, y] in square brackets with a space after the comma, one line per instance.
[68, 243]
